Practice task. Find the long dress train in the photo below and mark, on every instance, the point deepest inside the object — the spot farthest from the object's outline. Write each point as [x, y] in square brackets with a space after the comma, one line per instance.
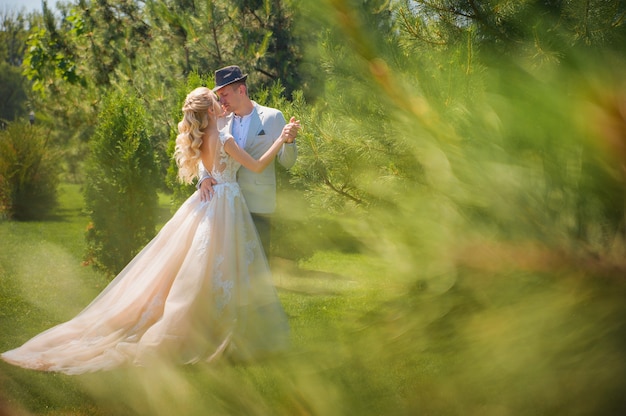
[200, 289]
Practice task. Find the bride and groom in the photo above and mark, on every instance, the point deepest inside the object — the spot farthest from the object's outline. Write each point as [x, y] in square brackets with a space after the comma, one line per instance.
[202, 288]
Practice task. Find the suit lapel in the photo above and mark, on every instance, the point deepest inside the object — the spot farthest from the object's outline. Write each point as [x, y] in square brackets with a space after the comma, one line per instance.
[255, 124]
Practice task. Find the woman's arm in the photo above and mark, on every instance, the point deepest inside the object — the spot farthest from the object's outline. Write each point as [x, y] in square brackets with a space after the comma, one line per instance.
[258, 165]
[255, 165]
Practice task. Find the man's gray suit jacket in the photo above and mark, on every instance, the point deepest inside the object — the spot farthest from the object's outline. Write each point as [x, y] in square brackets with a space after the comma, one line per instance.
[259, 189]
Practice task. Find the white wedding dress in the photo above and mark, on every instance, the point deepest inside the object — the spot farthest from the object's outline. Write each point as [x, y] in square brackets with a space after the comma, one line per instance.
[199, 290]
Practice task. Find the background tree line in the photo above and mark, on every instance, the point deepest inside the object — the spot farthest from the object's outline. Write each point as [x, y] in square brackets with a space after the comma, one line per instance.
[425, 121]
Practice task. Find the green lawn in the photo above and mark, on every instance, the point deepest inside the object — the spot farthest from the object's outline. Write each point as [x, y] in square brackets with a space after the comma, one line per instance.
[365, 342]
[43, 282]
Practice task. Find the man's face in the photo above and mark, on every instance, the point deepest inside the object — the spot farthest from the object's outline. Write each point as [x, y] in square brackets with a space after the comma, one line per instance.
[230, 98]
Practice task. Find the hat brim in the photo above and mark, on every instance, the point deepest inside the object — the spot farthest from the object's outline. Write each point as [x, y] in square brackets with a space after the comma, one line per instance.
[217, 87]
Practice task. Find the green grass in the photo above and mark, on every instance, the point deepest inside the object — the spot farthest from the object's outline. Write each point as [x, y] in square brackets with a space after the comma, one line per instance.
[502, 340]
[43, 282]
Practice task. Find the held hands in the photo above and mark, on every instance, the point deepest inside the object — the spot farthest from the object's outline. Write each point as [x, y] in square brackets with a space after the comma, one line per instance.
[290, 131]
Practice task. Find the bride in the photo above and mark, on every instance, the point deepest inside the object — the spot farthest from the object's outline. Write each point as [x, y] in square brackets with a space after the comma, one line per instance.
[201, 289]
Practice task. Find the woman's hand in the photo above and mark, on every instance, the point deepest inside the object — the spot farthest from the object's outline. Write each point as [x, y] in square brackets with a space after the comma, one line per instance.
[290, 131]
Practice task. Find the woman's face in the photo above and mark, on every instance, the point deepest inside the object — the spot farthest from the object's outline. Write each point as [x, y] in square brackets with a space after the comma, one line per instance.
[215, 109]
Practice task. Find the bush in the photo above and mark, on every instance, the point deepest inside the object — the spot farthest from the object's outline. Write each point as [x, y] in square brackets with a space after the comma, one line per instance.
[29, 172]
[121, 185]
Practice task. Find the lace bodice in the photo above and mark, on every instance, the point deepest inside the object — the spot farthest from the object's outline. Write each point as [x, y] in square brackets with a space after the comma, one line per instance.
[225, 167]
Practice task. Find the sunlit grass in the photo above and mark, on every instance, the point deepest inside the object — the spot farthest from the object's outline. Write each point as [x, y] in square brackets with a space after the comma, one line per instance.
[43, 282]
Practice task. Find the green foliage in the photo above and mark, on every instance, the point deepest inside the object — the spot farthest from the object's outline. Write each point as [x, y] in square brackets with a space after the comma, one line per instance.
[416, 141]
[13, 86]
[120, 188]
[110, 35]
[12, 36]
[13, 93]
[60, 94]
[29, 172]
[84, 49]
[536, 28]
[50, 57]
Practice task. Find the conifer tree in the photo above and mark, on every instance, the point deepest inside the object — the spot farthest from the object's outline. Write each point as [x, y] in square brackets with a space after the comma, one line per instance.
[13, 85]
[455, 101]
[121, 181]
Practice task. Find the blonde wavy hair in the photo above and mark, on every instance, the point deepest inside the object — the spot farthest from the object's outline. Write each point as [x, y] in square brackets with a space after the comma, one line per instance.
[190, 130]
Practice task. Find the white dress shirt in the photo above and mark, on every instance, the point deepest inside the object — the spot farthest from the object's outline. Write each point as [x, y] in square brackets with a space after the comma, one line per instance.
[241, 125]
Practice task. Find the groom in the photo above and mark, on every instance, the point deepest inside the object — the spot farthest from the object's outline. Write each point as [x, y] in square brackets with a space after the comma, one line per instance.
[255, 128]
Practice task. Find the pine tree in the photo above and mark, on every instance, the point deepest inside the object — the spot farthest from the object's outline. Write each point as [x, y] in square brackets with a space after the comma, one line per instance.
[121, 182]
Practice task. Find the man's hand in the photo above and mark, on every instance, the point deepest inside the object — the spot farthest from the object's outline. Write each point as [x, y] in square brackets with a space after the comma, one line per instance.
[206, 189]
[290, 131]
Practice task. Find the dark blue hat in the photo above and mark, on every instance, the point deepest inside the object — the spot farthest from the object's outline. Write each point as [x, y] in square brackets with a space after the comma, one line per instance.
[228, 75]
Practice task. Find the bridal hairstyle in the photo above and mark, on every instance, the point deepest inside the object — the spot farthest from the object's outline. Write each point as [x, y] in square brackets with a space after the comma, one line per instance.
[190, 129]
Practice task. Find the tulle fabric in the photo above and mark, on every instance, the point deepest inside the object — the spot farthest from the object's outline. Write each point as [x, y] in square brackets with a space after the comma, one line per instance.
[200, 289]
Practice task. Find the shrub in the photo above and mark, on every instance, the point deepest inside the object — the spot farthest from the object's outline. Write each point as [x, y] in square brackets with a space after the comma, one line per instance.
[29, 172]
[121, 184]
